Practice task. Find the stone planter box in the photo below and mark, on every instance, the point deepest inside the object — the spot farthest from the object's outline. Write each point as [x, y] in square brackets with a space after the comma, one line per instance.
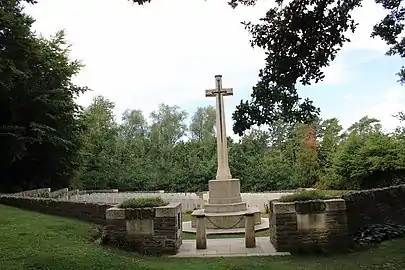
[318, 225]
[149, 231]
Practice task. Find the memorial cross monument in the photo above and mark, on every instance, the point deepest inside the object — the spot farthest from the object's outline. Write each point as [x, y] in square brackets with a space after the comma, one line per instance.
[225, 209]
[223, 171]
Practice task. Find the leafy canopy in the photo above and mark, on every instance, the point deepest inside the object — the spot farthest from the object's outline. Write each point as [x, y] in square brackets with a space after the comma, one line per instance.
[39, 124]
[300, 37]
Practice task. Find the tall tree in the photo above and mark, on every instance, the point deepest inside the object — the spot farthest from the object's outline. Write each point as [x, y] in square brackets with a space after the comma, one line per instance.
[329, 138]
[134, 149]
[400, 130]
[98, 161]
[39, 124]
[202, 124]
[134, 124]
[365, 125]
[167, 129]
[167, 124]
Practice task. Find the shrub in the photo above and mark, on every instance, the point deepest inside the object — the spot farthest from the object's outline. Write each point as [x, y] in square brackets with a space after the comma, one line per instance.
[308, 195]
[143, 202]
[334, 193]
[376, 233]
[305, 195]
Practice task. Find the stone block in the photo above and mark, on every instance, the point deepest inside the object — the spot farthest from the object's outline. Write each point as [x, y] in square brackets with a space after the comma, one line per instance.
[311, 221]
[283, 207]
[335, 205]
[250, 239]
[224, 191]
[225, 208]
[310, 207]
[139, 226]
[115, 213]
[170, 210]
[139, 213]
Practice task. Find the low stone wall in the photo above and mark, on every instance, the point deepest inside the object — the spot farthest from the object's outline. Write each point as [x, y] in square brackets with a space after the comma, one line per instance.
[89, 212]
[308, 226]
[375, 206]
[151, 231]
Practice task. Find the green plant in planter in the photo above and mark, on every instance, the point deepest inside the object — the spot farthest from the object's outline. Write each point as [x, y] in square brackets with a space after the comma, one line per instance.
[143, 202]
[306, 195]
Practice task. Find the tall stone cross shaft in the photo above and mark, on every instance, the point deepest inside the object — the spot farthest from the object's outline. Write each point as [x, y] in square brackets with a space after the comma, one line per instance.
[223, 171]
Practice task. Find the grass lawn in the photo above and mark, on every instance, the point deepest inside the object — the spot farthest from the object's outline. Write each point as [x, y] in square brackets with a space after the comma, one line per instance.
[32, 241]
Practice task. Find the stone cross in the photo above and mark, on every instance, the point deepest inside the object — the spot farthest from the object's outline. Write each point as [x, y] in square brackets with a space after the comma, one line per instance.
[223, 172]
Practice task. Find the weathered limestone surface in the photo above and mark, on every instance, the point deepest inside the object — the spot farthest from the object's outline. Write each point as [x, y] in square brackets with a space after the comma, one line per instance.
[152, 231]
[250, 239]
[225, 208]
[201, 236]
[308, 226]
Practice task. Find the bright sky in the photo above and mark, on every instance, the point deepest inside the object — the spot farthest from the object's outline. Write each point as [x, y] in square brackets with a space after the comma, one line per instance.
[169, 51]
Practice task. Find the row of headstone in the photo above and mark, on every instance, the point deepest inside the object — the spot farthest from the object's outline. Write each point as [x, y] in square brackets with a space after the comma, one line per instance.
[190, 201]
[34, 193]
[62, 194]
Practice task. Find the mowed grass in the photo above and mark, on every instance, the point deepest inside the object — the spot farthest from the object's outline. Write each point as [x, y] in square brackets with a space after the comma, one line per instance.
[32, 241]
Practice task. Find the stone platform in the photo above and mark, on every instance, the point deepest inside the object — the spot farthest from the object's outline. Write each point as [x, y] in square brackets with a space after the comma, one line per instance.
[264, 225]
[228, 247]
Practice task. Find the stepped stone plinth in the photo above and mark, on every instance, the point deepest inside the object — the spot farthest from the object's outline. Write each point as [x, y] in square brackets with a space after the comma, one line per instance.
[225, 208]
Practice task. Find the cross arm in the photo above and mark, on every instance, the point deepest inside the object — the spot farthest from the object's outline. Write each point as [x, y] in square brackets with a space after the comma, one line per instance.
[214, 92]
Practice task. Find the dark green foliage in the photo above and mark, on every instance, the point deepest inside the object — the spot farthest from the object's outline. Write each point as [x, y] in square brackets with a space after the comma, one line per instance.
[390, 30]
[367, 159]
[377, 233]
[44, 143]
[298, 42]
[143, 202]
[39, 124]
[137, 155]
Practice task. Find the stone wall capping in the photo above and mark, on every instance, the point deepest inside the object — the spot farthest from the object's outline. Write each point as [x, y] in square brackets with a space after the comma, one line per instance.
[170, 210]
[282, 207]
[115, 213]
[335, 205]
